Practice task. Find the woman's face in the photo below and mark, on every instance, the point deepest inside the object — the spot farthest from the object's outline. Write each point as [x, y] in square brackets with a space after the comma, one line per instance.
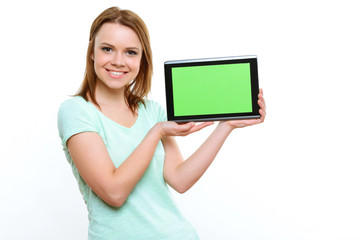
[117, 56]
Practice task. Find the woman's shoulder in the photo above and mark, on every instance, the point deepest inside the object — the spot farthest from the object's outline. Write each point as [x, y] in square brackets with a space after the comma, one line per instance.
[152, 104]
[155, 109]
[73, 106]
[74, 102]
[74, 116]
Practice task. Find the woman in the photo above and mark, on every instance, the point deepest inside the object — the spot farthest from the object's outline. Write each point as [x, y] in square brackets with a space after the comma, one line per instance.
[120, 146]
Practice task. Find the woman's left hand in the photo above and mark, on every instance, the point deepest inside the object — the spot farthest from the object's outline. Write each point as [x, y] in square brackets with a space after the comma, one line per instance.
[250, 122]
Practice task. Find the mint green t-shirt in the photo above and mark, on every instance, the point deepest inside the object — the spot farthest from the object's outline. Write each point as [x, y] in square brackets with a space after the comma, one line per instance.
[149, 212]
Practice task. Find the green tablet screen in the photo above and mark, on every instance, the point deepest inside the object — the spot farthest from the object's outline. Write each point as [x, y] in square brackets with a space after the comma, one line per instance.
[212, 89]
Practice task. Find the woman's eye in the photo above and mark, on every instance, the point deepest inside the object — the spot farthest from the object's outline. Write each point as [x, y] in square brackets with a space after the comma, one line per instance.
[130, 52]
[106, 49]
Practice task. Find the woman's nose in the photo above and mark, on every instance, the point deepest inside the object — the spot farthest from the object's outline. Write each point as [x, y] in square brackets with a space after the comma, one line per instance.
[118, 60]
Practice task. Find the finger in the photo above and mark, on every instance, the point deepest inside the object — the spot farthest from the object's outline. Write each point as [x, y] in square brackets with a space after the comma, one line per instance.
[262, 105]
[261, 97]
[196, 128]
[186, 126]
[261, 92]
[262, 115]
[200, 126]
[262, 100]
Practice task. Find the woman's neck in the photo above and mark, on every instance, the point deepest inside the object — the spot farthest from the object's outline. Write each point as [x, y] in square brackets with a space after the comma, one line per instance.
[113, 105]
[109, 97]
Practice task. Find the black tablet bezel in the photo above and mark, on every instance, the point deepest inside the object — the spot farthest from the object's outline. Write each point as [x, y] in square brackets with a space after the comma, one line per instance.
[212, 61]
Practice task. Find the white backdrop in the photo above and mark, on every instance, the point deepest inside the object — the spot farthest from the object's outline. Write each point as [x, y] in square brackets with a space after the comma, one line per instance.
[296, 176]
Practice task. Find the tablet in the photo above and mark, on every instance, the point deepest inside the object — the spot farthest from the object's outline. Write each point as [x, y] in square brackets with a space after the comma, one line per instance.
[212, 89]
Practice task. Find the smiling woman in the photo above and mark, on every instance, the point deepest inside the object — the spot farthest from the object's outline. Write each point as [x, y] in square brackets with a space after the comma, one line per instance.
[130, 24]
[121, 148]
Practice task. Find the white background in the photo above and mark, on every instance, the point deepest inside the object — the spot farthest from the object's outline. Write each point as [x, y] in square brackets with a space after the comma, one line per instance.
[297, 176]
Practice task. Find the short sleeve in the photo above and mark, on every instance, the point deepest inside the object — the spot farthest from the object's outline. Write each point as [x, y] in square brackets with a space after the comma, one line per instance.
[161, 113]
[157, 111]
[74, 116]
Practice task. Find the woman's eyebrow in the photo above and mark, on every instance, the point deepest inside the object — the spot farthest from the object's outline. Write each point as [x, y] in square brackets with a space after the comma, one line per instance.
[112, 46]
[133, 48]
[108, 44]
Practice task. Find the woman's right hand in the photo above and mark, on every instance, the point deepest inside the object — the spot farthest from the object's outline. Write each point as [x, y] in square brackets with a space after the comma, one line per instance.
[171, 128]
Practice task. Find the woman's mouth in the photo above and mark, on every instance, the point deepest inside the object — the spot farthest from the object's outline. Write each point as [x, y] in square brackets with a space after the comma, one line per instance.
[116, 74]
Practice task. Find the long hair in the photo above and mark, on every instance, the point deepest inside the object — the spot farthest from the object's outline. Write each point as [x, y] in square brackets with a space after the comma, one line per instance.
[138, 89]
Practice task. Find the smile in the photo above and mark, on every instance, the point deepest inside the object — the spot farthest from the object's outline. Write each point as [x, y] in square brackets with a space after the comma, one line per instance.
[116, 74]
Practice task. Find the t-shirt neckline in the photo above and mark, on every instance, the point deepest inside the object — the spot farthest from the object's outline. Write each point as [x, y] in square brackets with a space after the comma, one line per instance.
[116, 123]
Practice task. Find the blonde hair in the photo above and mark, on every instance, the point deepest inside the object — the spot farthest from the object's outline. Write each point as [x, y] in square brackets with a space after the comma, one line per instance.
[137, 90]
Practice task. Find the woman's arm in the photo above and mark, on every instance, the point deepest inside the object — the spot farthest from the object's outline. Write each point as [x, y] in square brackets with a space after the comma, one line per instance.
[182, 175]
[113, 184]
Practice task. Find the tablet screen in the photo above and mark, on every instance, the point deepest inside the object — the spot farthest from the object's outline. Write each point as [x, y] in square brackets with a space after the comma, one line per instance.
[212, 89]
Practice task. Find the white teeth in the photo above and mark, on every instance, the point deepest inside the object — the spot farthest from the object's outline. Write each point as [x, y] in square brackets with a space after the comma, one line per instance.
[117, 73]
